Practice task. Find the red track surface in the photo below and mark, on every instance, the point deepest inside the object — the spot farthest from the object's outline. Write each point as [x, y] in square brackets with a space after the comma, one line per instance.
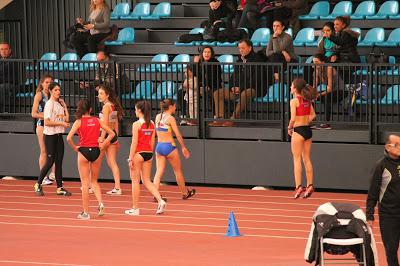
[44, 230]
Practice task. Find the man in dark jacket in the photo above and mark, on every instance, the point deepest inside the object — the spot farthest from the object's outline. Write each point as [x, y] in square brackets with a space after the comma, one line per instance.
[385, 190]
[8, 75]
[245, 83]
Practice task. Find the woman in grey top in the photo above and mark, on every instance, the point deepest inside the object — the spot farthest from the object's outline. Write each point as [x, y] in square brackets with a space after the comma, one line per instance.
[280, 47]
[97, 28]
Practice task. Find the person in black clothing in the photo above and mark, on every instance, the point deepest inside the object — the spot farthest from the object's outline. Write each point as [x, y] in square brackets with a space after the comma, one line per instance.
[8, 75]
[294, 8]
[384, 189]
[250, 16]
[246, 82]
[220, 9]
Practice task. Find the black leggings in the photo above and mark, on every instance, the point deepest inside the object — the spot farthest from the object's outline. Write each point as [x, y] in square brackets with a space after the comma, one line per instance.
[84, 43]
[55, 153]
[390, 232]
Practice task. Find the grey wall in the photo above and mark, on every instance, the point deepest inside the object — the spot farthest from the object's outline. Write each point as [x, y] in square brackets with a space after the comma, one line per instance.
[268, 163]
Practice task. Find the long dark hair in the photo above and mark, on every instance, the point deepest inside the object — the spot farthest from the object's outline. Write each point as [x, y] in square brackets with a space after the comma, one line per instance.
[330, 25]
[166, 103]
[145, 108]
[201, 58]
[306, 91]
[113, 98]
[42, 79]
[84, 107]
[344, 19]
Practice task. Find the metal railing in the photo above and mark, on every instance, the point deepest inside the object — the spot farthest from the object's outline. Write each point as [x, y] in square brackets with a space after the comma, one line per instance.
[362, 96]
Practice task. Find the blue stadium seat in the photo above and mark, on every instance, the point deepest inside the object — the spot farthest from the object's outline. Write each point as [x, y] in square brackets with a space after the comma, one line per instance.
[372, 37]
[155, 65]
[228, 44]
[45, 65]
[73, 57]
[180, 58]
[392, 95]
[289, 31]
[161, 10]
[87, 62]
[393, 40]
[226, 58]
[143, 90]
[165, 90]
[314, 43]
[343, 8]
[274, 93]
[121, 9]
[305, 35]
[390, 70]
[192, 31]
[140, 10]
[366, 8]
[125, 36]
[261, 36]
[320, 8]
[388, 8]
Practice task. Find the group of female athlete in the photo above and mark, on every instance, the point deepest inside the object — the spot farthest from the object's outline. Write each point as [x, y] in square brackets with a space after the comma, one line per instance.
[99, 137]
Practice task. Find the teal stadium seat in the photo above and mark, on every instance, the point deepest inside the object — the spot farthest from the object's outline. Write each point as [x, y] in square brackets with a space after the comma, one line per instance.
[392, 95]
[387, 9]
[178, 67]
[125, 36]
[165, 90]
[228, 44]
[140, 10]
[162, 10]
[45, 65]
[289, 31]
[372, 37]
[304, 36]
[121, 9]
[393, 40]
[155, 65]
[88, 62]
[226, 58]
[274, 93]
[320, 8]
[343, 8]
[73, 57]
[261, 37]
[143, 90]
[192, 31]
[366, 8]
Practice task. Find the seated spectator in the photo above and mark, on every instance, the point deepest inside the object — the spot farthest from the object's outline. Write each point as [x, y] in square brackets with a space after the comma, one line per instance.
[8, 75]
[345, 40]
[296, 8]
[280, 47]
[190, 86]
[220, 9]
[246, 83]
[97, 28]
[250, 16]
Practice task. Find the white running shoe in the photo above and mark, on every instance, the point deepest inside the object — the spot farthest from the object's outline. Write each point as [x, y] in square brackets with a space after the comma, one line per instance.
[52, 176]
[101, 209]
[161, 207]
[115, 191]
[47, 181]
[83, 216]
[132, 212]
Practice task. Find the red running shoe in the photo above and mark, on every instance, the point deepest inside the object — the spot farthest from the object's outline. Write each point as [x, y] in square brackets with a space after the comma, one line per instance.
[308, 191]
[298, 191]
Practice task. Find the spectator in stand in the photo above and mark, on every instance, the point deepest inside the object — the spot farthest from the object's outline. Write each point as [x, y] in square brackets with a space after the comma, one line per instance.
[246, 83]
[220, 9]
[250, 16]
[98, 28]
[296, 8]
[384, 190]
[8, 75]
[280, 47]
[190, 85]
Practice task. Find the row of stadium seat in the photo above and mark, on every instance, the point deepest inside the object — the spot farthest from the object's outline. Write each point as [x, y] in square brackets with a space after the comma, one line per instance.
[141, 11]
[75, 64]
[365, 10]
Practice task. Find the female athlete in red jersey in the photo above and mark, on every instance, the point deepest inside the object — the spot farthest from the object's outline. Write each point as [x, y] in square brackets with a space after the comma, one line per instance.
[141, 156]
[90, 153]
[301, 114]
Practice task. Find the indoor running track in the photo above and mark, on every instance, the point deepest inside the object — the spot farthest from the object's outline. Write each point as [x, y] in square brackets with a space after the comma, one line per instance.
[44, 230]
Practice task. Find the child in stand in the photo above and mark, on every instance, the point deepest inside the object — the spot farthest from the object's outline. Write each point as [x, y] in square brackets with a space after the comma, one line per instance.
[190, 85]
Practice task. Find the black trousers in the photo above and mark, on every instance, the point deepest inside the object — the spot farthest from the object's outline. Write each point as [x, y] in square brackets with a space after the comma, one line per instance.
[55, 153]
[87, 43]
[390, 232]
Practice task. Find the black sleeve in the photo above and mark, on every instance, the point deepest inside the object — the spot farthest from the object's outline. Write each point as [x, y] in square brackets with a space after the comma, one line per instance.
[344, 39]
[374, 189]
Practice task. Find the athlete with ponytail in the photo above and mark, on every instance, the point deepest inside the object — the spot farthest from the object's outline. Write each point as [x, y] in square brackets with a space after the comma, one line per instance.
[301, 114]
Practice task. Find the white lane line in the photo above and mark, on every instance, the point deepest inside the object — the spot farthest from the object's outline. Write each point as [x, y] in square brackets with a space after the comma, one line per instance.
[40, 263]
[333, 198]
[187, 203]
[169, 209]
[167, 215]
[146, 230]
[154, 223]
